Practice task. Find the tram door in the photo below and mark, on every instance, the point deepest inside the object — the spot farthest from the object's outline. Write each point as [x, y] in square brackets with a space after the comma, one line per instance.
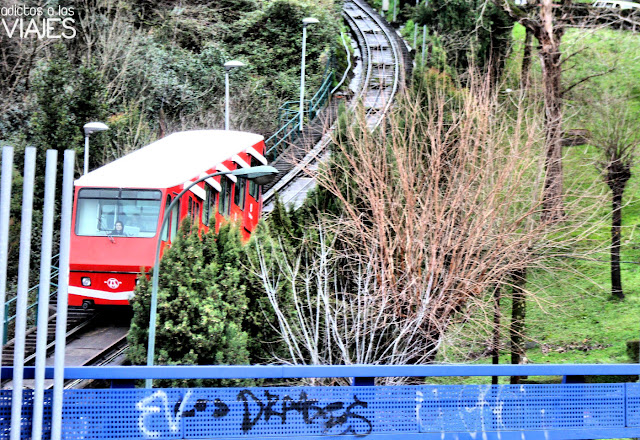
[169, 232]
[252, 203]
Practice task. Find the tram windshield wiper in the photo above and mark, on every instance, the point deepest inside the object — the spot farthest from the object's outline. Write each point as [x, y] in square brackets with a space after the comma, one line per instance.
[109, 236]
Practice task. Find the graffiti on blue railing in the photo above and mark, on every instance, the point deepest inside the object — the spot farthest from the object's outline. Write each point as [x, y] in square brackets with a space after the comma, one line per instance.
[355, 412]
[256, 407]
[333, 414]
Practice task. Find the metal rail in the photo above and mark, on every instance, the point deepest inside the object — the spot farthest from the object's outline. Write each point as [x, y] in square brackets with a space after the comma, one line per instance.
[378, 46]
[78, 321]
[102, 358]
[331, 371]
[32, 309]
[289, 112]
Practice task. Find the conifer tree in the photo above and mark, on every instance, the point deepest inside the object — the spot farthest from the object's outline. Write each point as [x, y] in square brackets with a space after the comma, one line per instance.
[201, 303]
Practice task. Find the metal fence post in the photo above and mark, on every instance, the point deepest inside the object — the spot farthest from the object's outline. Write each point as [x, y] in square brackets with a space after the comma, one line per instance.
[42, 312]
[63, 287]
[23, 288]
[5, 210]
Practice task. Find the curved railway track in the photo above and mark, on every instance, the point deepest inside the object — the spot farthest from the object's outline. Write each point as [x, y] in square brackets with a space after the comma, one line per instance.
[381, 76]
[382, 58]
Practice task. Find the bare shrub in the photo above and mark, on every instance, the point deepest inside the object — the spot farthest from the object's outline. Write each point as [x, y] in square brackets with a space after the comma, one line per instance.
[440, 208]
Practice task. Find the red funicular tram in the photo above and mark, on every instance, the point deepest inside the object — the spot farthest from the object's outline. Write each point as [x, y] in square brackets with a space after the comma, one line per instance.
[118, 207]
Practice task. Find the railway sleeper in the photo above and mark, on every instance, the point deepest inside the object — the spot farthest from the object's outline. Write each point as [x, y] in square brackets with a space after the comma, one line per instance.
[382, 47]
[380, 85]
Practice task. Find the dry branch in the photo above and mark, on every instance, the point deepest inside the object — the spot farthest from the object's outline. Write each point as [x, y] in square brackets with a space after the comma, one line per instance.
[440, 208]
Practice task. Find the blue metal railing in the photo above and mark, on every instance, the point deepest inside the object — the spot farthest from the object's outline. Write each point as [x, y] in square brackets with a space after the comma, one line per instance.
[289, 113]
[426, 411]
[32, 308]
[334, 371]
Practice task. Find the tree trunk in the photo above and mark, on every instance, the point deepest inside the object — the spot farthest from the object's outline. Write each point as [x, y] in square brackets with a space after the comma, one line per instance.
[495, 344]
[550, 56]
[525, 74]
[518, 315]
[616, 231]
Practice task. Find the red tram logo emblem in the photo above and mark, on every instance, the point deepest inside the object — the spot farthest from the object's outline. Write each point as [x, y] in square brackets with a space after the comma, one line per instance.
[113, 283]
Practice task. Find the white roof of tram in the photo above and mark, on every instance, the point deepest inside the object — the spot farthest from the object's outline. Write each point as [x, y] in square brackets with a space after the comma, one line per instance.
[172, 160]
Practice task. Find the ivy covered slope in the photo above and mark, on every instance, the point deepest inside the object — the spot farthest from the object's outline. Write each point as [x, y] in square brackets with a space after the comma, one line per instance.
[151, 68]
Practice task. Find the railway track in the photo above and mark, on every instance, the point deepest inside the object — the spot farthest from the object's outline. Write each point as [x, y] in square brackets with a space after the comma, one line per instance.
[382, 61]
[112, 353]
[77, 321]
[381, 54]
[93, 338]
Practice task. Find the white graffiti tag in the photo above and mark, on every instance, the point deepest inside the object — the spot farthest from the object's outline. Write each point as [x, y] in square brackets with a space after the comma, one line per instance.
[147, 407]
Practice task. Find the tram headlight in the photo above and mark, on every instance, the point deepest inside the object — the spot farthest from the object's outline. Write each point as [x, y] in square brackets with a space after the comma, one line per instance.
[86, 281]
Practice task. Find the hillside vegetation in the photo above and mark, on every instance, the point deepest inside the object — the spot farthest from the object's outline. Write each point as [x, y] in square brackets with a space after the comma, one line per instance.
[150, 68]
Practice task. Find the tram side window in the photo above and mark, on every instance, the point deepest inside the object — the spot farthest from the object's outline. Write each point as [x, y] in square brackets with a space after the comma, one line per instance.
[225, 196]
[175, 222]
[254, 188]
[209, 204]
[241, 190]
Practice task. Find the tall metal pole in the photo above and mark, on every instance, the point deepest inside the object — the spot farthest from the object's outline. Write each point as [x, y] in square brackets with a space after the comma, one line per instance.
[86, 153]
[304, 49]
[305, 22]
[226, 99]
[23, 291]
[63, 287]
[424, 41]
[5, 211]
[44, 290]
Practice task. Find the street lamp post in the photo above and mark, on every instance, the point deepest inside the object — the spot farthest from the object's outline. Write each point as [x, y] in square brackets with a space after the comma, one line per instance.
[305, 22]
[91, 127]
[227, 67]
[257, 173]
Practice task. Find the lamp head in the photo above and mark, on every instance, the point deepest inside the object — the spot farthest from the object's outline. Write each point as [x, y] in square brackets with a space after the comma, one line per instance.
[261, 175]
[94, 127]
[309, 20]
[233, 64]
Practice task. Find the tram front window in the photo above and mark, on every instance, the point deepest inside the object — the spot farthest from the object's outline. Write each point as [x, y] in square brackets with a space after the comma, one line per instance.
[125, 212]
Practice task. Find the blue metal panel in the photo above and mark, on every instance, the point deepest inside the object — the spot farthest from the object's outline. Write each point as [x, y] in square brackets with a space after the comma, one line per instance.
[27, 411]
[521, 407]
[381, 413]
[300, 411]
[633, 404]
[122, 414]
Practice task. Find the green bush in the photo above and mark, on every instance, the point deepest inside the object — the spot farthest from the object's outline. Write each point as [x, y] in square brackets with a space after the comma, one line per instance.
[201, 303]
